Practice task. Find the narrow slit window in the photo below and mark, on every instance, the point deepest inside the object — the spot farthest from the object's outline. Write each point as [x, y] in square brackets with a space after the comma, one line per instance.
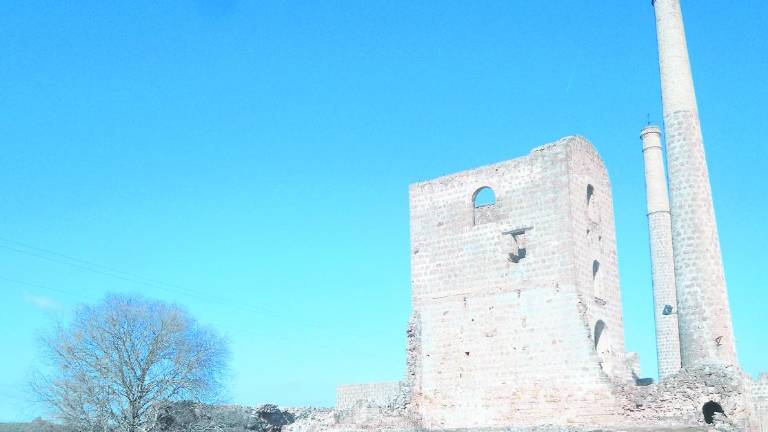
[592, 206]
[597, 279]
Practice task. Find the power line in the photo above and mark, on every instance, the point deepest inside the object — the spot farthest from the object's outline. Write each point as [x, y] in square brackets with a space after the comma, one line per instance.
[86, 265]
[32, 285]
[89, 266]
[244, 330]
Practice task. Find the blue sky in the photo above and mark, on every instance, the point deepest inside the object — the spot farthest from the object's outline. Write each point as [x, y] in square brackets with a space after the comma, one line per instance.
[250, 161]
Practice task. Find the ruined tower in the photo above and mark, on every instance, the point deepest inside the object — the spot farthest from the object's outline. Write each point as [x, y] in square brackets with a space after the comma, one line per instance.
[706, 333]
[662, 261]
[518, 296]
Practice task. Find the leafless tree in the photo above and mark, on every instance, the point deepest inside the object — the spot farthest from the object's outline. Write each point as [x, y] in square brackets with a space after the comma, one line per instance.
[120, 358]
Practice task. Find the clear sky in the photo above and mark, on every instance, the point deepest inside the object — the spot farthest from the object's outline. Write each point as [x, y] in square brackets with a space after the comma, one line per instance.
[250, 160]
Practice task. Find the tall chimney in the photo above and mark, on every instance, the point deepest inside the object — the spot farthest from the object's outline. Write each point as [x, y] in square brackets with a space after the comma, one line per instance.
[662, 261]
[706, 331]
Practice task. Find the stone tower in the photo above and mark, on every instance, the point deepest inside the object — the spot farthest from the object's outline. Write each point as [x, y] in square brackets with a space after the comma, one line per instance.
[706, 332]
[662, 261]
[518, 298]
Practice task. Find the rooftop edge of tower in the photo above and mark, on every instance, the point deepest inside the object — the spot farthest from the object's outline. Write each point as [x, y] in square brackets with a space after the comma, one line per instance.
[572, 142]
[651, 141]
[651, 128]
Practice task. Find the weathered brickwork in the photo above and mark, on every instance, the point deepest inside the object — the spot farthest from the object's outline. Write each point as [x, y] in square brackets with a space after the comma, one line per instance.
[760, 396]
[706, 333]
[377, 394]
[662, 260]
[679, 400]
[524, 293]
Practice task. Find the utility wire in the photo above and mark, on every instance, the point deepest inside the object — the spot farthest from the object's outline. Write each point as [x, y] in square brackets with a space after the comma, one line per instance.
[89, 266]
[83, 262]
[32, 285]
[245, 330]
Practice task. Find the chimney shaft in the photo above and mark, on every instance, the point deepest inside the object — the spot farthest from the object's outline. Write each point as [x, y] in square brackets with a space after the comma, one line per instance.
[662, 261]
[706, 332]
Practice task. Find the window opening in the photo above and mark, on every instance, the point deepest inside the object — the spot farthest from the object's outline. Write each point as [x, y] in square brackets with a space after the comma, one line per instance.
[597, 279]
[599, 328]
[592, 207]
[484, 197]
[603, 346]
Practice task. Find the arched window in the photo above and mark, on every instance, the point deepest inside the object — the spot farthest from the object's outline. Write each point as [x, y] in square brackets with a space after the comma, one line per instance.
[603, 345]
[597, 279]
[599, 328]
[709, 409]
[484, 206]
[484, 197]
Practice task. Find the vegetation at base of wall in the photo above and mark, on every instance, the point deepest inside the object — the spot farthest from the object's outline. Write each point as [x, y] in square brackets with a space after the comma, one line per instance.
[37, 425]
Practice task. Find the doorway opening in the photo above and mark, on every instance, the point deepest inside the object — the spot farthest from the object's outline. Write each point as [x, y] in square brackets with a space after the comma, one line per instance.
[709, 409]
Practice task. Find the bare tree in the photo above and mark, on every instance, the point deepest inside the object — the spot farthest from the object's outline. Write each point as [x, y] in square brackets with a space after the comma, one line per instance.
[117, 360]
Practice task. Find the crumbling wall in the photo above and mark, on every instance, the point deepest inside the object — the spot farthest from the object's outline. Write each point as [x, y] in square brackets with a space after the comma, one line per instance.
[377, 406]
[413, 372]
[374, 394]
[192, 416]
[679, 399]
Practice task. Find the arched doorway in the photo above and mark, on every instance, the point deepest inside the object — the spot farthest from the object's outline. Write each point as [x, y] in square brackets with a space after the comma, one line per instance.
[709, 409]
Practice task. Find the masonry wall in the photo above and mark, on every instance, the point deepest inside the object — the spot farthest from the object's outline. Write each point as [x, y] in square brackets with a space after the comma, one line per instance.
[511, 338]
[678, 401]
[594, 245]
[760, 396]
[374, 394]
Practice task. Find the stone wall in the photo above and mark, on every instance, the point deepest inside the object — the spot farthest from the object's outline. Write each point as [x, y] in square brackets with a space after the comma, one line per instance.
[374, 394]
[679, 399]
[187, 416]
[519, 301]
[760, 396]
